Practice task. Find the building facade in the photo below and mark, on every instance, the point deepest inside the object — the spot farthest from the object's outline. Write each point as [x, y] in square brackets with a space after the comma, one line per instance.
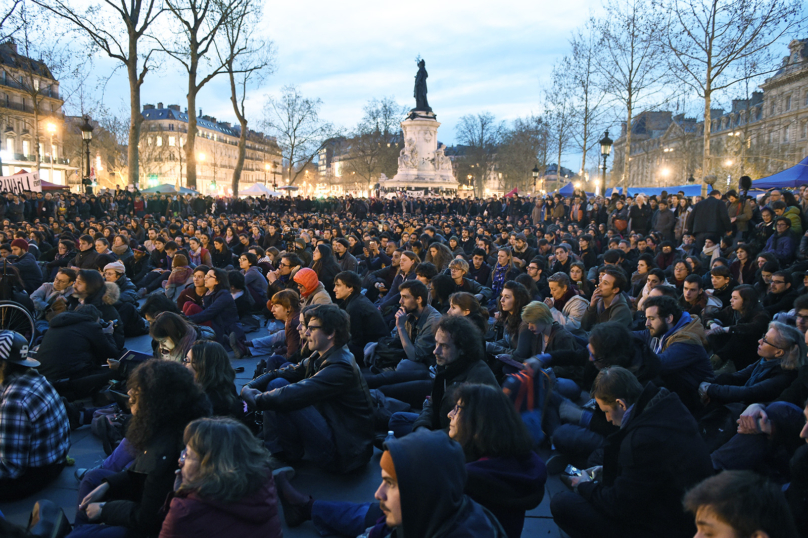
[31, 118]
[758, 137]
[162, 152]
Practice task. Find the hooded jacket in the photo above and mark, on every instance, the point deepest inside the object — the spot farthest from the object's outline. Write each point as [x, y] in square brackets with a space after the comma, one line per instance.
[104, 299]
[254, 516]
[29, 272]
[367, 323]
[431, 474]
[748, 386]
[333, 384]
[618, 311]
[649, 464]
[571, 314]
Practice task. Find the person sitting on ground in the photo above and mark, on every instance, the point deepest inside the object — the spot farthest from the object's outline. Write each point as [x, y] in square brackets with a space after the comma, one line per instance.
[322, 406]
[172, 336]
[311, 290]
[639, 492]
[781, 351]
[86, 257]
[44, 297]
[367, 323]
[281, 278]
[460, 358]
[566, 306]
[458, 269]
[780, 296]
[678, 340]
[740, 503]
[225, 485]
[154, 305]
[194, 294]
[783, 243]
[219, 307]
[254, 279]
[548, 334]
[212, 371]
[181, 275]
[90, 288]
[116, 272]
[465, 304]
[695, 301]
[608, 300]
[26, 263]
[734, 331]
[245, 305]
[723, 283]
[164, 399]
[440, 288]
[35, 433]
[424, 476]
[283, 345]
[415, 326]
[508, 328]
[83, 371]
[504, 474]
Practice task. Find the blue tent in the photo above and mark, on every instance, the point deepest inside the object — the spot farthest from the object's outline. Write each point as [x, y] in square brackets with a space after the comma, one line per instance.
[689, 190]
[791, 177]
[569, 190]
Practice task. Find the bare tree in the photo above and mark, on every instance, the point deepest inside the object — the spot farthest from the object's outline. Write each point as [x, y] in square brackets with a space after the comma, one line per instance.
[482, 135]
[248, 59]
[525, 145]
[295, 120]
[631, 60]
[373, 146]
[560, 111]
[9, 22]
[197, 23]
[589, 96]
[709, 40]
[117, 28]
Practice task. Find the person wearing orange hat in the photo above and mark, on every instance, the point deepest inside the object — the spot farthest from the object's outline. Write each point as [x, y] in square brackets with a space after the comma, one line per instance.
[311, 289]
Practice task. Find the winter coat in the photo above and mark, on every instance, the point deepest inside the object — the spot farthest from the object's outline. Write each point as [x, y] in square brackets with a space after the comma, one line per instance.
[735, 387]
[333, 384]
[82, 335]
[783, 246]
[220, 309]
[571, 314]
[44, 296]
[128, 290]
[317, 296]
[742, 211]
[30, 272]
[431, 475]
[781, 302]
[649, 464]
[254, 516]
[709, 217]
[86, 259]
[793, 214]
[256, 284]
[367, 323]
[618, 311]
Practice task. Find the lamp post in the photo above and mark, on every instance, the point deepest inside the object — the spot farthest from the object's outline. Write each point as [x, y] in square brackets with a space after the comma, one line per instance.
[605, 150]
[51, 130]
[87, 136]
[535, 172]
[275, 167]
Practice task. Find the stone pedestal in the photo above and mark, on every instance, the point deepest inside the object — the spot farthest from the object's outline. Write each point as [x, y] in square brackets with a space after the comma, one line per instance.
[422, 165]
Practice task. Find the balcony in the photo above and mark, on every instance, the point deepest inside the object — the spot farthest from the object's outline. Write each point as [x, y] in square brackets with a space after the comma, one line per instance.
[29, 109]
[10, 83]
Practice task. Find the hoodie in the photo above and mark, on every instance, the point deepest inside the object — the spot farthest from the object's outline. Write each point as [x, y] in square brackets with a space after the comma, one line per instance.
[431, 474]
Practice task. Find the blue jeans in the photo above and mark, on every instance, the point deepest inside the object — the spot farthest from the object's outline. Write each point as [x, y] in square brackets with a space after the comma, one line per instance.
[406, 365]
[344, 518]
[120, 459]
[82, 526]
[299, 432]
[401, 423]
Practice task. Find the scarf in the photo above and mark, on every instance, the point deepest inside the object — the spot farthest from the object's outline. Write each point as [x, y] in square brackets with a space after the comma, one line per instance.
[561, 303]
[120, 250]
[762, 370]
[498, 280]
[713, 251]
[195, 257]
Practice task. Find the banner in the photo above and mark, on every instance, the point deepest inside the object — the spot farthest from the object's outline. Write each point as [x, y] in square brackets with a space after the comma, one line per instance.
[20, 183]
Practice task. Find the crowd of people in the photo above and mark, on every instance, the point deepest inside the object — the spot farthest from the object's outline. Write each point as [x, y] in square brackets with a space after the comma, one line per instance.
[653, 348]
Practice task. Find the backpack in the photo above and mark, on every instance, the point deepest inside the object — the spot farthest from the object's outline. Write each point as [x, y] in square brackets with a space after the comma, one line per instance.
[530, 392]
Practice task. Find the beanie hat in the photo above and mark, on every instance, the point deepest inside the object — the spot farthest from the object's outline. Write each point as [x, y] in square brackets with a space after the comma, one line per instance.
[308, 279]
[117, 266]
[22, 243]
[300, 242]
[386, 463]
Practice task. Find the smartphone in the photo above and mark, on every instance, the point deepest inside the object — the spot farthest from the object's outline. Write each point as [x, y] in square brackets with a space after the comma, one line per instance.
[571, 470]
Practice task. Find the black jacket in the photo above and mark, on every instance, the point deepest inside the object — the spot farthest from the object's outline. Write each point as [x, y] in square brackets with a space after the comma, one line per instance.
[781, 302]
[333, 384]
[649, 464]
[86, 259]
[709, 216]
[29, 272]
[220, 309]
[82, 335]
[367, 323]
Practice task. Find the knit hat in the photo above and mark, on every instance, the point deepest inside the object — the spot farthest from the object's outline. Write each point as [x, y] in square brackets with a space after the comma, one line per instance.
[117, 266]
[308, 279]
[300, 242]
[22, 243]
[386, 463]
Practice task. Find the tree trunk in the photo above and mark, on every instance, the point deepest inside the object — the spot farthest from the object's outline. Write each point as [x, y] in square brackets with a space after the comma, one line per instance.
[190, 157]
[705, 162]
[136, 118]
[627, 159]
[36, 138]
[242, 141]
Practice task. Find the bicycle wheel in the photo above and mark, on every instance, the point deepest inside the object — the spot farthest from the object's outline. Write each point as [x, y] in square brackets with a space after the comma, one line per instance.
[14, 317]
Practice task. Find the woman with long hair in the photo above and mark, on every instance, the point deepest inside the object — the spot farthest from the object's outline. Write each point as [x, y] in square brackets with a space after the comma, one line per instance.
[439, 255]
[212, 370]
[406, 271]
[225, 485]
[324, 264]
[164, 399]
[579, 280]
[508, 327]
[503, 271]
[218, 307]
[440, 288]
[172, 336]
[465, 304]
[743, 267]
[734, 331]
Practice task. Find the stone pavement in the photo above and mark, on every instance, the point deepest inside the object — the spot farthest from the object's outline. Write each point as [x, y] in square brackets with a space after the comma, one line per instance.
[359, 487]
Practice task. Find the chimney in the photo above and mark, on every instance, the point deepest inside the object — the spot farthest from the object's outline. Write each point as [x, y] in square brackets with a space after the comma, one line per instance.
[200, 112]
[148, 107]
[175, 108]
[159, 106]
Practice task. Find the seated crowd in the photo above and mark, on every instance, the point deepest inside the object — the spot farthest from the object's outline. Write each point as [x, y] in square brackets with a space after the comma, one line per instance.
[655, 350]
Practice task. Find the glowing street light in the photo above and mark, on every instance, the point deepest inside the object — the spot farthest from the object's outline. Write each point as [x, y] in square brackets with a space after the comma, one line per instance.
[665, 172]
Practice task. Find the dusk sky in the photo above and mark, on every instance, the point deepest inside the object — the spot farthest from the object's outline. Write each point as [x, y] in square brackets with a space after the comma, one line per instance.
[480, 55]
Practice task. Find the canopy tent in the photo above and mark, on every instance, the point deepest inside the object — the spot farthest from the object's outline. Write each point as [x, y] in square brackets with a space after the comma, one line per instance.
[48, 186]
[517, 191]
[258, 189]
[168, 188]
[791, 177]
[689, 190]
[569, 190]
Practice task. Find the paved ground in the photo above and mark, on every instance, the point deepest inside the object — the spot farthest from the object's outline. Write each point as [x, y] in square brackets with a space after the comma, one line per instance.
[87, 451]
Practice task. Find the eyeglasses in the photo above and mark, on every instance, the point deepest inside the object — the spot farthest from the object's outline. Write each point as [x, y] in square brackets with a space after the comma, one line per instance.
[186, 360]
[312, 328]
[183, 455]
[286, 265]
[457, 408]
[764, 341]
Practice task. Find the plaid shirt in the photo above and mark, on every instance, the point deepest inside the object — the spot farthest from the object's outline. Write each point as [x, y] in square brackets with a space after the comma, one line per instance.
[34, 430]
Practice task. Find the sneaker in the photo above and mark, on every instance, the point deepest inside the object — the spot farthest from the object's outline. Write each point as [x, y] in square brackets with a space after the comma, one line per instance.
[556, 464]
[239, 349]
[81, 472]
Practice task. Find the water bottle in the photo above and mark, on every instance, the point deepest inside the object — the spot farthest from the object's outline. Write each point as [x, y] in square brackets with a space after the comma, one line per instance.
[390, 436]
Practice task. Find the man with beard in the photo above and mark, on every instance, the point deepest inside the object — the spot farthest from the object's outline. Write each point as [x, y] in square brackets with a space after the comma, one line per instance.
[677, 338]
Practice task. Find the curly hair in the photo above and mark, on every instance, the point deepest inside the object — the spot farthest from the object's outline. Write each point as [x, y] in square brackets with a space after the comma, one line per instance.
[167, 399]
[469, 342]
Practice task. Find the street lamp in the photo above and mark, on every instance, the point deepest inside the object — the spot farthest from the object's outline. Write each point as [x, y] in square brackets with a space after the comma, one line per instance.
[51, 130]
[87, 136]
[535, 172]
[605, 150]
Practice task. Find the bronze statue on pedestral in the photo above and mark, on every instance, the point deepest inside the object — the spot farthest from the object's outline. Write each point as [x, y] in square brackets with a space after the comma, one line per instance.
[421, 104]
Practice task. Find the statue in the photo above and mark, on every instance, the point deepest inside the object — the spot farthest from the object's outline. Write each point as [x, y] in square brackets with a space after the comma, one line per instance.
[420, 88]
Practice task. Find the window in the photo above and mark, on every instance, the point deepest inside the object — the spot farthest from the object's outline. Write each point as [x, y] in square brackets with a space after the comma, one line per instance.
[10, 145]
[170, 126]
[159, 141]
[26, 147]
[786, 132]
[772, 109]
[788, 102]
[804, 133]
[172, 140]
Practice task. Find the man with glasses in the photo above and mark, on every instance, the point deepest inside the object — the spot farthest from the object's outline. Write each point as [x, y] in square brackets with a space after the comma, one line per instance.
[320, 407]
[458, 268]
[781, 294]
[782, 242]
[281, 278]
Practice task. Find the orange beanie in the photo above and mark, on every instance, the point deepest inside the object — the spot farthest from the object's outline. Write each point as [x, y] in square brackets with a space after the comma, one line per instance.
[386, 464]
[308, 279]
